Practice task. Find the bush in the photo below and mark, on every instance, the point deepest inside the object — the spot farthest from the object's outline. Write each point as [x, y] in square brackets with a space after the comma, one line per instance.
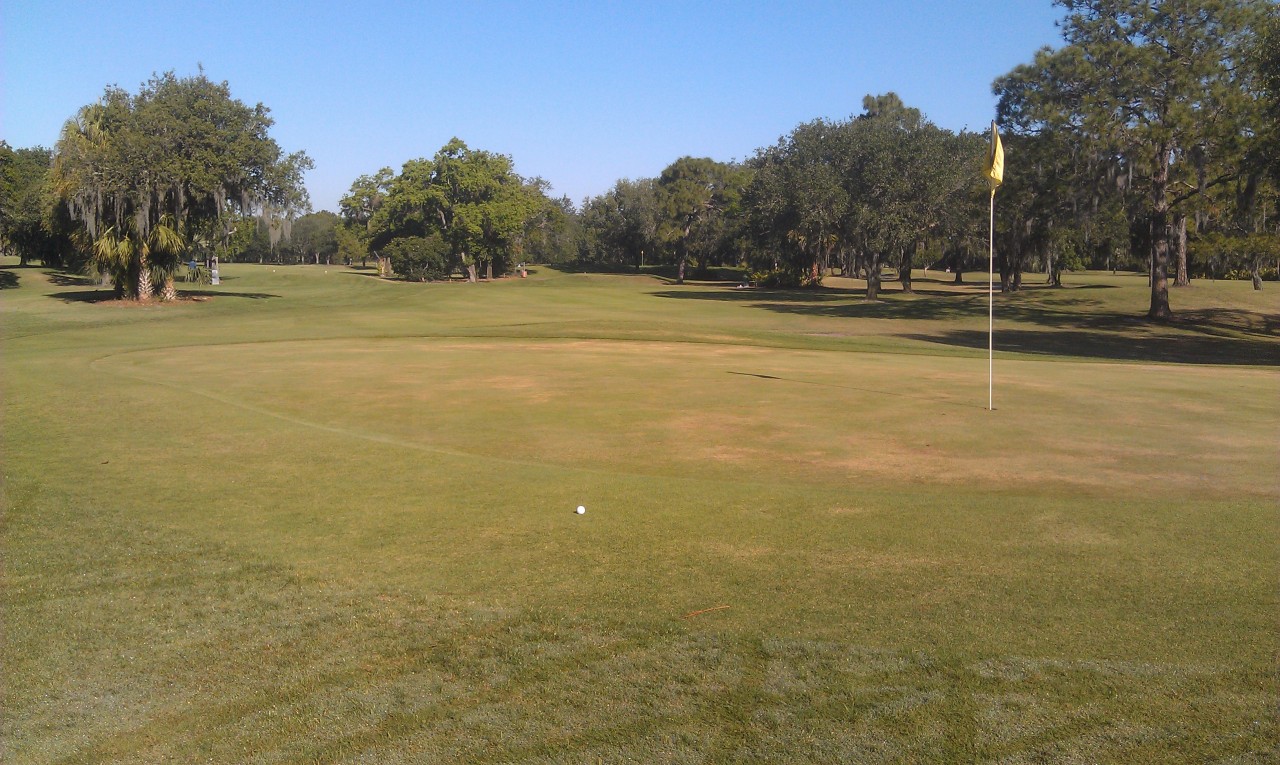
[419, 258]
[1244, 274]
[778, 279]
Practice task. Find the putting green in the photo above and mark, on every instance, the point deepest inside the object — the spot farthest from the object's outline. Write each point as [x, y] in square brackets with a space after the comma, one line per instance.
[322, 517]
[745, 413]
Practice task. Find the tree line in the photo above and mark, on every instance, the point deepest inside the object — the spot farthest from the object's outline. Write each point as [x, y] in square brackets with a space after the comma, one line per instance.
[1147, 140]
[1152, 131]
[884, 188]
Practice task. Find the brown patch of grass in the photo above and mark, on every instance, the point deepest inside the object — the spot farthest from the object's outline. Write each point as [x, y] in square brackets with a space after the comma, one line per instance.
[528, 389]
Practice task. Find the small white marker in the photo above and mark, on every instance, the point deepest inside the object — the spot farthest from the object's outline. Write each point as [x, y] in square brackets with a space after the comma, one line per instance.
[581, 510]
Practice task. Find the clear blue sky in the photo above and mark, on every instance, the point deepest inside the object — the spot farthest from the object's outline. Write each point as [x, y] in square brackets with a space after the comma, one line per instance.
[581, 94]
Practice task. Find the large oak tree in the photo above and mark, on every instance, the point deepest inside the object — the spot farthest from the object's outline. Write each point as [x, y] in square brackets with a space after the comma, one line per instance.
[144, 173]
[471, 198]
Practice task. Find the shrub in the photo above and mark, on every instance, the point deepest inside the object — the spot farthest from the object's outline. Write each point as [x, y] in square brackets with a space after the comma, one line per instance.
[778, 279]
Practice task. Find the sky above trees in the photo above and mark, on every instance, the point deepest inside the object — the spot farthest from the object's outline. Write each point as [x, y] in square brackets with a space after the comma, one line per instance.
[580, 95]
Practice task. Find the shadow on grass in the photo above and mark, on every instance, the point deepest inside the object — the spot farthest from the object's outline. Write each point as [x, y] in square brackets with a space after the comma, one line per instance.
[216, 293]
[8, 279]
[1168, 348]
[1074, 324]
[65, 279]
[453, 278]
[109, 295]
[85, 296]
[932, 398]
[837, 303]
[665, 273]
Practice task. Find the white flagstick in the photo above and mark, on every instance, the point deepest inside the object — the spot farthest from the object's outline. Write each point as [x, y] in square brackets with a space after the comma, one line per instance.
[991, 306]
[995, 175]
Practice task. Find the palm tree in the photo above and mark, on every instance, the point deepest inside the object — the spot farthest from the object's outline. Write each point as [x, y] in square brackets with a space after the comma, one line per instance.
[129, 257]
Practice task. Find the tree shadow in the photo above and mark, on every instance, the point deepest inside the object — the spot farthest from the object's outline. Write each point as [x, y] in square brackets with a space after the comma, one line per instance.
[109, 296]
[605, 268]
[664, 273]
[65, 279]
[931, 398]
[763, 297]
[8, 279]
[1074, 324]
[85, 296]
[1074, 312]
[217, 293]
[1179, 349]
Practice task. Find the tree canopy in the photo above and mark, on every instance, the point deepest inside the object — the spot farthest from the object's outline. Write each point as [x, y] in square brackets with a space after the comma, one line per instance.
[472, 199]
[1156, 92]
[26, 226]
[872, 189]
[145, 173]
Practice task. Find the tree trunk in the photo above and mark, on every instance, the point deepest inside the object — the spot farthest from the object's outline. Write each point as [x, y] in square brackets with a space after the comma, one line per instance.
[144, 290]
[904, 273]
[1159, 310]
[683, 252]
[873, 278]
[488, 270]
[168, 292]
[471, 273]
[1180, 247]
[1257, 275]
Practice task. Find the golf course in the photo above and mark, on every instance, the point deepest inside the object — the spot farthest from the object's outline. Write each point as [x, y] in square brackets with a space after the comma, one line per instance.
[314, 515]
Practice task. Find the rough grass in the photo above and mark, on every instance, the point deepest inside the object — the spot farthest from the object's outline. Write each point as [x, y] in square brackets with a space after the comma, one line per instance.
[321, 517]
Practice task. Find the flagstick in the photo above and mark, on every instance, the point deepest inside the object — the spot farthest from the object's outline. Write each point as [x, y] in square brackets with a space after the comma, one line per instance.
[995, 175]
[991, 306]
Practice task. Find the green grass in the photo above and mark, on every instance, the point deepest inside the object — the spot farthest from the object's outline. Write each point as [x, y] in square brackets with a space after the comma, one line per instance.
[320, 517]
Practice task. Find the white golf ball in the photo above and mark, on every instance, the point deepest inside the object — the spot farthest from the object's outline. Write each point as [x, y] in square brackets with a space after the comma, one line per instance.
[581, 510]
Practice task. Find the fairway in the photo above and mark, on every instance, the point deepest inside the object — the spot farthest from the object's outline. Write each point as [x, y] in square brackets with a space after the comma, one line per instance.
[313, 515]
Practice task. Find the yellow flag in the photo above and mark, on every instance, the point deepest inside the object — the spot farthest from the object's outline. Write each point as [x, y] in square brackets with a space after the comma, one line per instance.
[994, 170]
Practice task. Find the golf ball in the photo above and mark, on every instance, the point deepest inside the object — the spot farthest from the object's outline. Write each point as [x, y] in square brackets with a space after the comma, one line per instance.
[581, 510]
